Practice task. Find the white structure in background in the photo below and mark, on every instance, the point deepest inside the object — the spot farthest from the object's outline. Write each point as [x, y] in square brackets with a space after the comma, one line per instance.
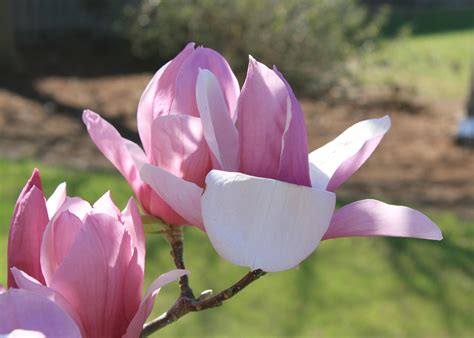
[466, 128]
[465, 134]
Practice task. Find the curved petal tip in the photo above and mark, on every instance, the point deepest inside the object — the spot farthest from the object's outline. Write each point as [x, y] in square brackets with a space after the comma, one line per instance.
[367, 218]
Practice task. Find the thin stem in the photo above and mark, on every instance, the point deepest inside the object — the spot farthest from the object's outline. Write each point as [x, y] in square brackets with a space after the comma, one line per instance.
[185, 305]
[174, 235]
[230, 291]
[187, 302]
[176, 252]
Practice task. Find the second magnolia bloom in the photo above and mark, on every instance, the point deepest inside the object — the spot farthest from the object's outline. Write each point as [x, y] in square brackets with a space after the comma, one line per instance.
[270, 205]
[88, 259]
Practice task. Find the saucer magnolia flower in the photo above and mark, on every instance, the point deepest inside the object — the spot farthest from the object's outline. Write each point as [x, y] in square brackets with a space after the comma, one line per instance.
[269, 206]
[170, 128]
[88, 259]
[25, 314]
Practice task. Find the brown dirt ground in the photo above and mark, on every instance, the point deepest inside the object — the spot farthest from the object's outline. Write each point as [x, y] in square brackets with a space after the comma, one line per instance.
[417, 163]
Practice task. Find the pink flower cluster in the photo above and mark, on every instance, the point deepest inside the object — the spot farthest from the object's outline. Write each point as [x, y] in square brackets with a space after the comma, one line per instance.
[230, 161]
[77, 265]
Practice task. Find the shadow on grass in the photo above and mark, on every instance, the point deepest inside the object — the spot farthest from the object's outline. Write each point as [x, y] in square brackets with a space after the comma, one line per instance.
[426, 268]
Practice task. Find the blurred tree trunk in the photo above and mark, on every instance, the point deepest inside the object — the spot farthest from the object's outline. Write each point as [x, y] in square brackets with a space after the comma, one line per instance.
[7, 41]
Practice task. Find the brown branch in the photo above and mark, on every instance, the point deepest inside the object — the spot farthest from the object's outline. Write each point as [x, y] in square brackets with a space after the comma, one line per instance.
[187, 302]
[177, 254]
[185, 305]
[174, 235]
[229, 292]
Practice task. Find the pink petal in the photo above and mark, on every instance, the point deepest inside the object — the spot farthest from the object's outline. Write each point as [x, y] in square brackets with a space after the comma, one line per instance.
[105, 205]
[58, 238]
[31, 312]
[158, 96]
[133, 223]
[92, 276]
[154, 205]
[118, 152]
[76, 206]
[183, 196]
[26, 282]
[185, 92]
[219, 130]
[178, 146]
[146, 305]
[111, 144]
[33, 181]
[56, 200]
[294, 167]
[17, 226]
[262, 117]
[137, 154]
[132, 290]
[375, 218]
[26, 229]
[335, 162]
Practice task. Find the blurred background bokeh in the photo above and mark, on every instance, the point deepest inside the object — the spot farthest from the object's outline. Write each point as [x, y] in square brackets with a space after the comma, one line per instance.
[347, 60]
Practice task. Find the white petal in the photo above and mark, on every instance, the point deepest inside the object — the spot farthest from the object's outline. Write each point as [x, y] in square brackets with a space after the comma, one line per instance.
[347, 151]
[219, 130]
[19, 333]
[182, 196]
[56, 200]
[263, 223]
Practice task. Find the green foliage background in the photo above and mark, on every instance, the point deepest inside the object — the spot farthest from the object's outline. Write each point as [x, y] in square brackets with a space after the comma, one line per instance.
[306, 39]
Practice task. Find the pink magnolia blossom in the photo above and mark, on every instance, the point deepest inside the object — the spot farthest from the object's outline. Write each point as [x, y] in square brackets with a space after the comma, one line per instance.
[25, 314]
[170, 128]
[270, 205]
[88, 259]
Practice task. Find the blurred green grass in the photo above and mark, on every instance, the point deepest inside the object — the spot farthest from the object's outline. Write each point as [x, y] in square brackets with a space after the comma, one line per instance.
[433, 61]
[348, 287]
